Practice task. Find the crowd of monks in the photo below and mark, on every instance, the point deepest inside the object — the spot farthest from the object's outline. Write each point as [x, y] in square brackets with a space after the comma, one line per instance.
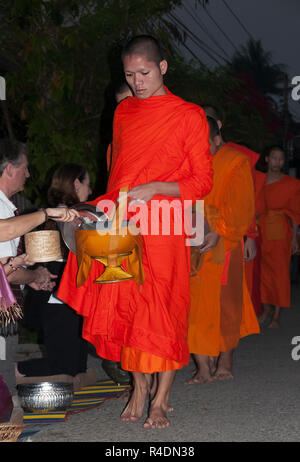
[193, 300]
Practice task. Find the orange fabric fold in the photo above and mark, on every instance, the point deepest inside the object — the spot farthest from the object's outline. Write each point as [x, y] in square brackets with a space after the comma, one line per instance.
[274, 225]
[252, 268]
[225, 268]
[133, 359]
[221, 309]
[277, 205]
[162, 138]
[253, 157]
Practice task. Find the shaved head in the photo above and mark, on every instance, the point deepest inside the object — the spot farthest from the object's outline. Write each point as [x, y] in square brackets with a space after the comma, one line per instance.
[213, 127]
[276, 148]
[122, 92]
[212, 112]
[144, 45]
[123, 88]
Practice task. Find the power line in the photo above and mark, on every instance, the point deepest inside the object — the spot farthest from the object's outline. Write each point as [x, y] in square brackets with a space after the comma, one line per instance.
[237, 18]
[205, 30]
[194, 38]
[194, 55]
[191, 52]
[188, 34]
[220, 29]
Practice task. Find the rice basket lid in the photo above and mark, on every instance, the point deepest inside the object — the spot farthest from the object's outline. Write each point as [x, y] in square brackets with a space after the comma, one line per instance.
[43, 246]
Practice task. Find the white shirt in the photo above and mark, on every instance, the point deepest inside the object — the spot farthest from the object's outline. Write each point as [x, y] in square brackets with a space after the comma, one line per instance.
[7, 209]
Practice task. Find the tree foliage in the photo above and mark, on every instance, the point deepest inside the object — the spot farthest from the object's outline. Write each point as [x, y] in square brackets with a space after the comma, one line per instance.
[62, 56]
[253, 60]
[243, 120]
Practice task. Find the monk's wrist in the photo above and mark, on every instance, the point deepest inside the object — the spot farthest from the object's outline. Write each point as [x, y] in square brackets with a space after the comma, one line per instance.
[167, 188]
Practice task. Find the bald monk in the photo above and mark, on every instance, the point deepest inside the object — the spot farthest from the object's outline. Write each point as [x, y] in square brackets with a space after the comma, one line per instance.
[278, 209]
[252, 236]
[160, 150]
[221, 309]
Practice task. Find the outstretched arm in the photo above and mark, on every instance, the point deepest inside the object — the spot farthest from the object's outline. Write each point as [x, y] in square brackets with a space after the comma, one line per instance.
[10, 228]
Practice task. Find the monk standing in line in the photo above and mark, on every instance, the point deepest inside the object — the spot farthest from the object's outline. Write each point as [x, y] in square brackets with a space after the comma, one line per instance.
[278, 209]
[252, 237]
[160, 150]
[221, 309]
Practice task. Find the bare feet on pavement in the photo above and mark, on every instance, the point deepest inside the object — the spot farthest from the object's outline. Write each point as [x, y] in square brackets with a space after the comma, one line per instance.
[135, 406]
[157, 418]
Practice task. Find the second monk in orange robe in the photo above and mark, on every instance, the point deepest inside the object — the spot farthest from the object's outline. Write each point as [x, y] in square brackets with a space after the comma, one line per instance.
[221, 309]
[160, 150]
[278, 209]
[252, 236]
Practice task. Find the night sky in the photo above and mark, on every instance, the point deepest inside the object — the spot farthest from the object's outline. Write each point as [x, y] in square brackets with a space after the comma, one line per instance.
[274, 22]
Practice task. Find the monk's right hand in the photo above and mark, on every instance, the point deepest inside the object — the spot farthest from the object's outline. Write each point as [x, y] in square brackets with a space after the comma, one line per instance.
[143, 193]
[210, 241]
[250, 249]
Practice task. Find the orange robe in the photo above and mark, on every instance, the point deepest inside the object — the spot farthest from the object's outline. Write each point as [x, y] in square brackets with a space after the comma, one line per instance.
[221, 309]
[162, 138]
[252, 268]
[277, 204]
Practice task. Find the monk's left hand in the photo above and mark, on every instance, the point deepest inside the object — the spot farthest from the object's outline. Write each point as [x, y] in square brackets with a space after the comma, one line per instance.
[250, 249]
[143, 192]
[210, 241]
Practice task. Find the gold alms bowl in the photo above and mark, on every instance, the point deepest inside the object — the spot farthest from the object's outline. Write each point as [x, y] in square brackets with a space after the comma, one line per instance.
[109, 249]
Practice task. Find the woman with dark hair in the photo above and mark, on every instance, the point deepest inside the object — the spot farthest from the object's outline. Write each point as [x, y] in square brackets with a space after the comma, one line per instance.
[70, 185]
[66, 351]
[278, 210]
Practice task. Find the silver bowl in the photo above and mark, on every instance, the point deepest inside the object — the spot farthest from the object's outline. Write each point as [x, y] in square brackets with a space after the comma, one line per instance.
[45, 396]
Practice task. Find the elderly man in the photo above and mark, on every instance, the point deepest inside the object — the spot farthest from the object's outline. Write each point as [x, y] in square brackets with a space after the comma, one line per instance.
[13, 175]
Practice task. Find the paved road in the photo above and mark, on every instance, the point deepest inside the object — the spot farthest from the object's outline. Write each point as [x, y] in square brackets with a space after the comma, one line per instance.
[261, 403]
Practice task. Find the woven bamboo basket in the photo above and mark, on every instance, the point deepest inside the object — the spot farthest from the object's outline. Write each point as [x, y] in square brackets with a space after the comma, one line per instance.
[10, 432]
[43, 246]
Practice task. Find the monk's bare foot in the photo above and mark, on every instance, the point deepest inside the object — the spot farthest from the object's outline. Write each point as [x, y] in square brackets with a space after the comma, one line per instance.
[274, 324]
[202, 374]
[199, 378]
[212, 361]
[135, 406]
[157, 419]
[224, 369]
[223, 374]
[126, 397]
[153, 391]
[265, 314]
[169, 409]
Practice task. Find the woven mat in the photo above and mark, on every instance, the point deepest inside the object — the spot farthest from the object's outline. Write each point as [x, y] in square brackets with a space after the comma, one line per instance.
[84, 399]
